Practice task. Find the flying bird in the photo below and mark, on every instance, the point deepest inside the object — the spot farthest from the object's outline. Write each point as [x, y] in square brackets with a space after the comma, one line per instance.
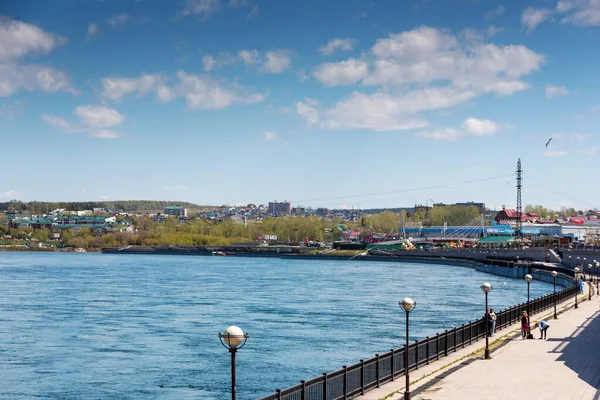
[548, 142]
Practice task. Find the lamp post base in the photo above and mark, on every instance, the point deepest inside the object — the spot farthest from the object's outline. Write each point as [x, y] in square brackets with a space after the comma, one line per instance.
[407, 395]
[487, 354]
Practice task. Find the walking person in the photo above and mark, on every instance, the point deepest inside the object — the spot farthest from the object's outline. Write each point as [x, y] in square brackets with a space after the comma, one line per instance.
[524, 325]
[543, 325]
[493, 318]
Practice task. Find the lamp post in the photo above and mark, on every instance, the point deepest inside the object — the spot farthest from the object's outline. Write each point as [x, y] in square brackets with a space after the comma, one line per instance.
[576, 270]
[528, 279]
[407, 305]
[554, 273]
[486, 288]
[590, 282]
[233, 339]
[597, 277]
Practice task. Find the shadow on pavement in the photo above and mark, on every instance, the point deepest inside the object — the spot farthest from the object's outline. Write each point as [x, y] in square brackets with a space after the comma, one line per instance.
[581, 350]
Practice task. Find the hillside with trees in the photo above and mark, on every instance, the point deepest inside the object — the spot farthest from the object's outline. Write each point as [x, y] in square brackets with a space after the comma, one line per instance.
[131, 206]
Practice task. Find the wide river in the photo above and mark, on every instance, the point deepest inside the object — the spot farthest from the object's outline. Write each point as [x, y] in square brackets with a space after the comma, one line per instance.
[92, 326]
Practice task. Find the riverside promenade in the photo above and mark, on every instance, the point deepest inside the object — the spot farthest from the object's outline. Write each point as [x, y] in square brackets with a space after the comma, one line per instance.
[565, 366]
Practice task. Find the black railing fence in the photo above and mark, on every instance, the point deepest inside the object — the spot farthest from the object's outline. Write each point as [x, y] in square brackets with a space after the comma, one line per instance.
[354, 380]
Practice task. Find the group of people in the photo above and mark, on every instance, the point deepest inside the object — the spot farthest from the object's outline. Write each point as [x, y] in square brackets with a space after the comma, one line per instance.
[525, 325]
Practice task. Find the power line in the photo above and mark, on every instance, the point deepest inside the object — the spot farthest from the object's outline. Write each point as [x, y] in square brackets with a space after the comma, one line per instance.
[404, 190]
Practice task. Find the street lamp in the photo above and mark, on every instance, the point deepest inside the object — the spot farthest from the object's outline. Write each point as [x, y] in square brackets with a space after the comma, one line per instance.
[407, 305]
[590, 282]
[486, 288]
[233, 339]
[597, 277]
[576, 270]
[528, 278]
[554, 273]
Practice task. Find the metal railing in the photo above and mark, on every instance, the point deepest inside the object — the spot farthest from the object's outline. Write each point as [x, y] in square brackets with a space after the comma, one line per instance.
[354, 380]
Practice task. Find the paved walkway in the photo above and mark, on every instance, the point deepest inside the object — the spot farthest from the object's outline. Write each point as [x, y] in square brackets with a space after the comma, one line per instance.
[565, 366]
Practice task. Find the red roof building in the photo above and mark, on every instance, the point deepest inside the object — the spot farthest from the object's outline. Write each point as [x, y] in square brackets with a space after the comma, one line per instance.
[509, 215]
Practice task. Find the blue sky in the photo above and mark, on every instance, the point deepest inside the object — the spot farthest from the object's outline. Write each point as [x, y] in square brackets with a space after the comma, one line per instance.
[338, 104]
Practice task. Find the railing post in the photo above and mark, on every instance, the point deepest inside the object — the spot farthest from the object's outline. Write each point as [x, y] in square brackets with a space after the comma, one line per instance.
[278, 394]
[416, 354]
[392, 364]
[462, 328]
[377, 369]
[455, 331]
[437, 346]
[345, 382]
[362, 377]
[446, 342]
[324, 385]
[303, 392]
[427, 348]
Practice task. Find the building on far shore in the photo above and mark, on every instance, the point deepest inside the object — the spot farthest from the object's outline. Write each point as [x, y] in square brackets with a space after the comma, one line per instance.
[277, 208]
[176, 211]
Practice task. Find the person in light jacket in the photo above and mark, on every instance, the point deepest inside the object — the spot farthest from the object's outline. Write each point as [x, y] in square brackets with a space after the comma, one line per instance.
[493, 318]
[543, 328]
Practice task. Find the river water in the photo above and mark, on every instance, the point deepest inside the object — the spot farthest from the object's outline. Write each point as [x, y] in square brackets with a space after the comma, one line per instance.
[92, 326]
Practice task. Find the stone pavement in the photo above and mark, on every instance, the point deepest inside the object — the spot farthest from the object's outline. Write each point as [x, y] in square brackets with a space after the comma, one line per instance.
[565, 366]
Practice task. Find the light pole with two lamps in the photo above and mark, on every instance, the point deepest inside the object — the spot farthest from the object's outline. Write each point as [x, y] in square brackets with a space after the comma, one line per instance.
[486, 288]
[233, 339]
[554, 274]
[407, 305]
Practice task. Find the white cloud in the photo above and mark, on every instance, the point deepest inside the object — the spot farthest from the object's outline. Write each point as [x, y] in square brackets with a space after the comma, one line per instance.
[336, 44]
[209, 63]
[272, 62]
[208, 94]
[92, 30]
[98, 117]
[270, 136]
[119, 20]
[106, 134]
[93, 120]
[18, 39]
[249, 57]
[580, 12]
[115, 88]
[419, 70]
[15, 77]
[555, 153]
[61, 123]
[174, 187]
[555, 91]
[592, 151]
[199, 92]
[471, 127]
[497, 11]
[276, 62]
[532, 17]
[203, 8]
[11, 194]
[382, 111]
[341, 73]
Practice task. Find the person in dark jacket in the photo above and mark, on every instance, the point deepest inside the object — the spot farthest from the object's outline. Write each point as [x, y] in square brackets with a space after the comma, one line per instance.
[525, 325]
